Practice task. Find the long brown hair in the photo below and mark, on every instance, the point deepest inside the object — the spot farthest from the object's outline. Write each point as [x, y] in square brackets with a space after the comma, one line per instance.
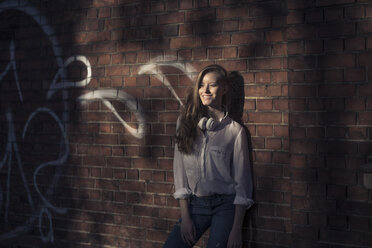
[194, 110]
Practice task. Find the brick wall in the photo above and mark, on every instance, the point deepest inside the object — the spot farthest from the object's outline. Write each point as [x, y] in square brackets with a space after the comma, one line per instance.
[91, 90]
[330, 136]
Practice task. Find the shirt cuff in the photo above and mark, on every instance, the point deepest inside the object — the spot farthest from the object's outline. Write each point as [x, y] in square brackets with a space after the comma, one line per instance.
[182, 193]
[243, 201]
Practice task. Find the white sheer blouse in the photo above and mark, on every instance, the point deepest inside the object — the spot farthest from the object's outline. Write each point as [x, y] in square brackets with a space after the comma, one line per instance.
[219, 165]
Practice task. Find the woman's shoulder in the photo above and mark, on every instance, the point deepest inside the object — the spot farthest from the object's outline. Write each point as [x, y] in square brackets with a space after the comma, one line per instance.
[234, 126]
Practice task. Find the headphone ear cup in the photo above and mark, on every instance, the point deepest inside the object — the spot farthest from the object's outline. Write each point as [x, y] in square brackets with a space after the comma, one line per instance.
[210, 124]
[202, 123]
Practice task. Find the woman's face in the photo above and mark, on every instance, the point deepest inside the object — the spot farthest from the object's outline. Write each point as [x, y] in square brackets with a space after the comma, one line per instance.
[211, 90]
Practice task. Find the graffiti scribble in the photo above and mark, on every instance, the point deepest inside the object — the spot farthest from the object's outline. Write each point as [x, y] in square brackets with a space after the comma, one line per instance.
[43, 210]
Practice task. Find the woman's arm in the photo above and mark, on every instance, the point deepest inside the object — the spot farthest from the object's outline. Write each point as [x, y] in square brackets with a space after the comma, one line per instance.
[188, 233]
[235, 237]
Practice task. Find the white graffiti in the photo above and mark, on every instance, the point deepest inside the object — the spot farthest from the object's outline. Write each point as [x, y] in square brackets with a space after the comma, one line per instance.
[60, 83]
[124, 97]
[12, 65]
[54, 87]
[155, 65]
[44, 208]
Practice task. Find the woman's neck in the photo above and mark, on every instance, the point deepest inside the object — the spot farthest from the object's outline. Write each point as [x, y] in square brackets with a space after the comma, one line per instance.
[216, 113]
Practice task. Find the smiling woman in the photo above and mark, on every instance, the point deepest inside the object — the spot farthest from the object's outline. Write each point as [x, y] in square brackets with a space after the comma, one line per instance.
[211, 167]
[212, 89]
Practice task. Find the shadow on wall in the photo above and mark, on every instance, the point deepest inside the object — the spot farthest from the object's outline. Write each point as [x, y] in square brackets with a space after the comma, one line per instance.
[236, 113]
[329, 125]
[35, 188]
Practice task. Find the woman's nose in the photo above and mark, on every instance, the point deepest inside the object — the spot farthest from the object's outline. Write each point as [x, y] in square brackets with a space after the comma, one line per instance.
[207, 88]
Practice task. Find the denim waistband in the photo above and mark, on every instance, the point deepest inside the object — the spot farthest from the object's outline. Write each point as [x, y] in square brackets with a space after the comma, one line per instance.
[207, 205]
[207, 197]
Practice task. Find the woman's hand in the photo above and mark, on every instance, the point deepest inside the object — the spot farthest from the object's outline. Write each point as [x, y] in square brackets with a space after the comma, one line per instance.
[188, 232]
[235, 238]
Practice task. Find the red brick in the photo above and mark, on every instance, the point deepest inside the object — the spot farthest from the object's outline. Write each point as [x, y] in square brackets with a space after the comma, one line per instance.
[279, 50]
[357, 193]
[231, 25]
[355, 12]
[336, 90]
[299, 4]
[160, 188]
[274, 36]
[281, 131]
[215, 40]
[299, 189]
[278, 157]
[262, 77]
[364, 27]
[355, 74]
[186, 4]
[314, 47]
[302, 62]
[246, 38]
[232, 12]
[302, 90]
[279, 77]
[170, 18]
[246, 25]
[295, 17]
[157, 7]
[264, 130]
[275, 90]
[334, 14]
[198, 15]
[358, 223]
[246, 51]
[265, 117]
[264, 104]
[345, 60]
[104, 12]
[270, 224]
[184, 42]
[334, 45]
[301, 32]
[254, 90]
[295, 48]
[314, 16]
[199, 53]
[365, 118]
[230, 52]
[265, 64]
[269, 196]
[234, 65]
[302, 147]
[355, 43]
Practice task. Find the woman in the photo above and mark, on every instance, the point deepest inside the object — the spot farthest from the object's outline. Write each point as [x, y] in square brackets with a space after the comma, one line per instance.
[212, 176]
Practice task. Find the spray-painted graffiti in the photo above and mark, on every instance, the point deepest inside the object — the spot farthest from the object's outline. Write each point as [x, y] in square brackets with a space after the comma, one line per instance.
[12, 153]
[122, 96]
[155, 65]
[60, 84]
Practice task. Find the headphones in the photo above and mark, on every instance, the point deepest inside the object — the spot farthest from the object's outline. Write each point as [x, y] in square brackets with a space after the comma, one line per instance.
[207, 124]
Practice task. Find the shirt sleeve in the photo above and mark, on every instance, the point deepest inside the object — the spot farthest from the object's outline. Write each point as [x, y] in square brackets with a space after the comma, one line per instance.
[242, 171]
[181, 186]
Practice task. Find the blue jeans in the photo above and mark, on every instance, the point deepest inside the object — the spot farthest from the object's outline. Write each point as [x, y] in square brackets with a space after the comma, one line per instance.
[216, 212]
